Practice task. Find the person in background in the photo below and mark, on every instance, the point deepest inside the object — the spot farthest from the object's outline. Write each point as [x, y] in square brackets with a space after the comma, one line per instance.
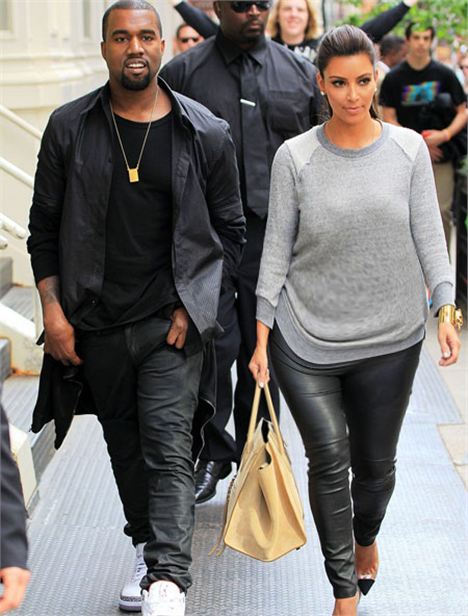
[185, 38]
[135, 220]
[267, 95]
[444, 55]
[392, 51]
[14, 573]
[294, 23]
[463, 64]
[426, 96]
[199, 20]
[353, 220]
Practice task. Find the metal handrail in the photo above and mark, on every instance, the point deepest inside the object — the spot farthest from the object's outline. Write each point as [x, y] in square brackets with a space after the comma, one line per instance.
[16, 119]
[12, 227]
[16, 172]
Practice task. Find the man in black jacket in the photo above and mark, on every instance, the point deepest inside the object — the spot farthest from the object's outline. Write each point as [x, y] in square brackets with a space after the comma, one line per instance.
[14, 574]
[136, 217]
[267, 94]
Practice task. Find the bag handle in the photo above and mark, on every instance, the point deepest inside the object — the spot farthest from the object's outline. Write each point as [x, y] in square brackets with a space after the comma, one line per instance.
[271, 411]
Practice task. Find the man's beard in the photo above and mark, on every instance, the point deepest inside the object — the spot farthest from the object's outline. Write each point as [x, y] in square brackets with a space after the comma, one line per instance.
[130, 84]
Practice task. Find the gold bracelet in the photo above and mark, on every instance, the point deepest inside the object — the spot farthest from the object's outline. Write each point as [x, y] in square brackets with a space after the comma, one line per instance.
[451, 314]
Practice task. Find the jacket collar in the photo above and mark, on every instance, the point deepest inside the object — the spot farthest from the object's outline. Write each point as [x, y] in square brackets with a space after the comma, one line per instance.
[102, 97]
[230, 51]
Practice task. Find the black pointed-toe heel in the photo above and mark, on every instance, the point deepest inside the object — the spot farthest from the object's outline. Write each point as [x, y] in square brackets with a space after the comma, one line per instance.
[365, 584]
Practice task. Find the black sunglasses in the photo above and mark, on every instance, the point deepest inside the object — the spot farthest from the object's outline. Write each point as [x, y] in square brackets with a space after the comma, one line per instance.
[243, 7]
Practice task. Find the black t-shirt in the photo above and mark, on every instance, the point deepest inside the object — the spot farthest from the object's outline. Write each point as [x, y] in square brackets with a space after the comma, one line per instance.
[308, 48]
[422, 99]
[138, 280]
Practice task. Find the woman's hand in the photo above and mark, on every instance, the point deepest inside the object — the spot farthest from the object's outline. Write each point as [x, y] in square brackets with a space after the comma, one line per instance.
[449, 344]
[258, 366]
[259, 363]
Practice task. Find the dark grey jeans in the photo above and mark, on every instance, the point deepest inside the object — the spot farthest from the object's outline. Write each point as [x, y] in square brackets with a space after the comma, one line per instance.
[146, 393]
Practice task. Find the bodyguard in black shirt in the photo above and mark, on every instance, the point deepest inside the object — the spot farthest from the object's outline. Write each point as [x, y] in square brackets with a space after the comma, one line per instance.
[267, 94]
[136, 218]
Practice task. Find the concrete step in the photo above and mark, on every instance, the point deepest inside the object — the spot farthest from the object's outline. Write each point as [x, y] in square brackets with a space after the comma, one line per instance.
[19, 398]
[17, 323]
[6, 274]
[5, 359]
[21, 300]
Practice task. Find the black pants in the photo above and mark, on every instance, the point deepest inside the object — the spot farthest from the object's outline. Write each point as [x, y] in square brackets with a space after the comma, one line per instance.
[146, 393]
[237, 316]
[349, 415]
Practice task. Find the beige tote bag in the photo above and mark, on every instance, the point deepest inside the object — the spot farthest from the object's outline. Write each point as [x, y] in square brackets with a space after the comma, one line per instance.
[264, 518]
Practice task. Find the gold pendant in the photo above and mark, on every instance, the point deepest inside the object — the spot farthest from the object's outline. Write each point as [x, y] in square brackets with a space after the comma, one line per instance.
[133, 175]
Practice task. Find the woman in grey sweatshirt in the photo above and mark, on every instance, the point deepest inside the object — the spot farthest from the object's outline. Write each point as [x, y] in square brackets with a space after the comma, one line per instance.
[353, 237]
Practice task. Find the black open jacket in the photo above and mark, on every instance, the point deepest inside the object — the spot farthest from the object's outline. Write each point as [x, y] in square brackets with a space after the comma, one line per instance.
[68, 214]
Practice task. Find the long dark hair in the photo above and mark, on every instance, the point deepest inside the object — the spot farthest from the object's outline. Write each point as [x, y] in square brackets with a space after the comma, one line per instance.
[345, 41]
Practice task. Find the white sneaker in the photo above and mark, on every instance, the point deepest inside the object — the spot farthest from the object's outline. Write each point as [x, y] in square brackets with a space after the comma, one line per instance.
[163, 599]
[130, 595]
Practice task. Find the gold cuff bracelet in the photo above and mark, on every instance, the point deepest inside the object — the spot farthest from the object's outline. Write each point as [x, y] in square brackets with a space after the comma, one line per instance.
[451, 314]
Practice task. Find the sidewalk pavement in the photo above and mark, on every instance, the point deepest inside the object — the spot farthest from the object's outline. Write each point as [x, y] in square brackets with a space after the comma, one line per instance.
[455, 378]
[80, 558]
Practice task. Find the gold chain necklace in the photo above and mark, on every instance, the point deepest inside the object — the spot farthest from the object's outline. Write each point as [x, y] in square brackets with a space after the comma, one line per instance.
[133, 172]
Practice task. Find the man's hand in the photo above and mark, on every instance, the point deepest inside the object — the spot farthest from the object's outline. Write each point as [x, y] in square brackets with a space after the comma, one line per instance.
[433, 139]
[60, 340]
[59, 334]
[435, 153]
[14, 582]
[178, 331]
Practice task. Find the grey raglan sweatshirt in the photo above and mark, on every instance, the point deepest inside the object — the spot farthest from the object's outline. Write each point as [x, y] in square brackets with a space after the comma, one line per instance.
[352, 238]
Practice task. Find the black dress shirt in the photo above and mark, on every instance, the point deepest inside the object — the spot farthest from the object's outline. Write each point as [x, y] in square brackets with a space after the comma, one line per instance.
[287, 90]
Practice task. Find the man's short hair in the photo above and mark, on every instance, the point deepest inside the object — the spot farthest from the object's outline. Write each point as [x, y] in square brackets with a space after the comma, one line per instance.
[135, 5]
[390, 43]
[414, 25]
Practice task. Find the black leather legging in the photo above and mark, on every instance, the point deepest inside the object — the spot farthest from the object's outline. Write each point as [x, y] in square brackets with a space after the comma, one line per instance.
[349, 415]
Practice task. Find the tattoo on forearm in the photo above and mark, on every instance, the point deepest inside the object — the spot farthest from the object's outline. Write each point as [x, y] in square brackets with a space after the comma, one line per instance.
[49, 290]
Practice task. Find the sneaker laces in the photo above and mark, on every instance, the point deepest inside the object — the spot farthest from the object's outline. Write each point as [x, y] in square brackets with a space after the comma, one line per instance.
[140, 569]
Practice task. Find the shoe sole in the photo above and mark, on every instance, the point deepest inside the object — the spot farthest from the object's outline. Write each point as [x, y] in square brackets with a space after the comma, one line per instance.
[206, 499]
[131, 606]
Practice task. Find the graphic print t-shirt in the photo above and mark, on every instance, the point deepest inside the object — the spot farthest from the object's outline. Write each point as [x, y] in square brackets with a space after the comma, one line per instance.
[409, 91]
